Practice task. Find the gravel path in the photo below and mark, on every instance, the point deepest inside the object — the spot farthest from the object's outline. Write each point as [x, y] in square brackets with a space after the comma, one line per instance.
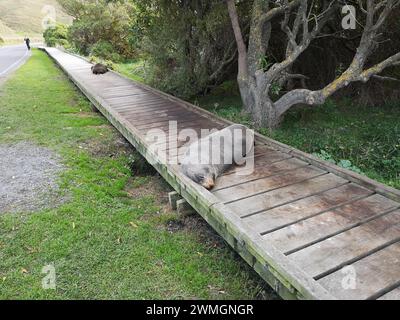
[28, 178]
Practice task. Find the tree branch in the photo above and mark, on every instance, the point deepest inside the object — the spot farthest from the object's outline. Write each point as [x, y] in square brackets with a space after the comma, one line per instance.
[268, 16]
[242, 50]
[367, 74]
[226, 61]
[308, 36]
[319, 97]
[382, 78]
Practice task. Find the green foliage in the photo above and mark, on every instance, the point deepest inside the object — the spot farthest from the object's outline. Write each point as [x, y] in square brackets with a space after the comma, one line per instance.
[275, 89]
[57, 35]
[342, 163]
[135, 69]
[264, 62]
[105, 50]
[325, 156]
[189, 44]
[101, 27]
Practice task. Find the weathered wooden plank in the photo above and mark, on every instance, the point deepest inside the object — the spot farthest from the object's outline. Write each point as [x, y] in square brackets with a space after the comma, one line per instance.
[326, 256]
[368, 277]
[284, 215]
[159, 111]
[115, 91]
[123, 93]
[129, 104]
[194, 119]
[125, 87]
[134, 99]
[327, 224]
[182, 123]
[263, 185]
[271, 264]
[196, 131]
[146, 120]
[262, 169]
[270, 155]
[264, 159]
[364, 181]
[278, 197]
[92, 82]
[175, 137]
[392, 295]
[148, 109]
[170, 114]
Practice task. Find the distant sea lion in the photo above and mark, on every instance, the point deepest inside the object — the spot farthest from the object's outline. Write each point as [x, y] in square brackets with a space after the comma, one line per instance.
[99, 69]
[208, 158]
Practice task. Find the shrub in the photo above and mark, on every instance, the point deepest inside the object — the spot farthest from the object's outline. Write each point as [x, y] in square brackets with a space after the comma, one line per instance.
[100, 27]
[188, 45]
[105, 50]
[57, 35]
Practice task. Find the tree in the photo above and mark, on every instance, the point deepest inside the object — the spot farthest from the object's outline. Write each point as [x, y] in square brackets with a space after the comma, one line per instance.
[188, 43]
[56, 35]
[302, 21]
[100, 24]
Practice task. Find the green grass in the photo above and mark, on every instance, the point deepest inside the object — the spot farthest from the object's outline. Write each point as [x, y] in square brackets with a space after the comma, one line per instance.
[102, 242]
[367, 138]
[134, 70]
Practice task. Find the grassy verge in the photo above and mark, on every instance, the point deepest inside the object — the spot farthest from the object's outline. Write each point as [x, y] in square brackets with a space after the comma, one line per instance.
[115, 237]
[363, 139]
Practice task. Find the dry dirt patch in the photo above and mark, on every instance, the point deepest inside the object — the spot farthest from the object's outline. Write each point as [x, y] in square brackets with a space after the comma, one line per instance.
[28, 178]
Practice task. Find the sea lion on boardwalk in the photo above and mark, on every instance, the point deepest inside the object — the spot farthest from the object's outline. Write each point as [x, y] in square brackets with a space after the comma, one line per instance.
[99, 69]
[209, 157]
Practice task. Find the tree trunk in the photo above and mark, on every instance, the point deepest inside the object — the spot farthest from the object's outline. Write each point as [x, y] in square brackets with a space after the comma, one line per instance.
[264, 114]
[258, 105]
[246, 94]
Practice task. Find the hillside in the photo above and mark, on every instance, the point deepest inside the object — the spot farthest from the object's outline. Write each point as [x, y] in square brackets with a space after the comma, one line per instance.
[4, 30]
[20, 17]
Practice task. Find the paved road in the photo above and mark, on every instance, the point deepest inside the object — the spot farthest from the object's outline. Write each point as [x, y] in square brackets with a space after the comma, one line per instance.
[11, 58]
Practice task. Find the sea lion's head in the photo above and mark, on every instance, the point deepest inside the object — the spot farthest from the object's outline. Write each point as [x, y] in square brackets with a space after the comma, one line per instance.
[207, 181]
[202, 174]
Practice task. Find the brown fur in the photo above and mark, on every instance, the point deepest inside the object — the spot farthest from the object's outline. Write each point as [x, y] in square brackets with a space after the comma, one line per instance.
[99, 69]
[198, 164]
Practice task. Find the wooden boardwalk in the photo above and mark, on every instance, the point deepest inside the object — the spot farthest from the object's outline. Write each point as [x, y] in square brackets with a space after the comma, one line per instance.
[312, 230]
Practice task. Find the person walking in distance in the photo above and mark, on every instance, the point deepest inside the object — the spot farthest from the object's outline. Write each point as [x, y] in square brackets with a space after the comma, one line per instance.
[28, 43]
